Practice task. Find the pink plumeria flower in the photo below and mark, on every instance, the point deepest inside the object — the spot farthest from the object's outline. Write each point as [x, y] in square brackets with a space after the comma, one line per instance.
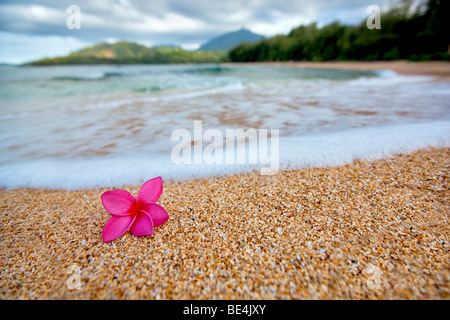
[139, 215]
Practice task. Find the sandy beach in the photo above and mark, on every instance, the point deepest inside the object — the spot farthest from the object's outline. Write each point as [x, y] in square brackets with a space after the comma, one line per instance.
[367, 230]
[438, 69]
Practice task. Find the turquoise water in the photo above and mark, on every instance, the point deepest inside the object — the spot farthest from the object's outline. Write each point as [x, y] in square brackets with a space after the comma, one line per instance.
[113, 124]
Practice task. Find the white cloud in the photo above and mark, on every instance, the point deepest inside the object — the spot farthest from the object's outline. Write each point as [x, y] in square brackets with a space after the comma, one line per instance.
[171, 23]
[112, 40]
[33, 13]
[20, 48]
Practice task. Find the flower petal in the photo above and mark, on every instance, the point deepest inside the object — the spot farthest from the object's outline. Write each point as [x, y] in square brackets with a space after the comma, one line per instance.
[150, 191]
[143, 225]
[119, 202]
[116, 226]
[159, 214]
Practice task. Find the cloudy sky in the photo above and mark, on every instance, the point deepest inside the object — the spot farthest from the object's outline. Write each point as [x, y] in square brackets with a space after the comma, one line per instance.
[31, 30]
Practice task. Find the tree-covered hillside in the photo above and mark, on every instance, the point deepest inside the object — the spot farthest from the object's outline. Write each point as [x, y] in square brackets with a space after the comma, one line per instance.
[128, 53]
[420, 34]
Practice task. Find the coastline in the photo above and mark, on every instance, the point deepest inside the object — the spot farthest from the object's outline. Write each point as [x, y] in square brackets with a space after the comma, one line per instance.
[438, 69]
[366, 230]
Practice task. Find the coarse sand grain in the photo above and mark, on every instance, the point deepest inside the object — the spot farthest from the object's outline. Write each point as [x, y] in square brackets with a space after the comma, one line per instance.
[367, 230]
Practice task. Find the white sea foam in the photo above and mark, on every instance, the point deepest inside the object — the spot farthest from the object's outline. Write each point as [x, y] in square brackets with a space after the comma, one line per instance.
[319, 150]
[386, 73]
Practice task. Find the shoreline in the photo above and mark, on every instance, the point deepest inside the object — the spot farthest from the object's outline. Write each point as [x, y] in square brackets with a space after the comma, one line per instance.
[438, 69]
[366, 230]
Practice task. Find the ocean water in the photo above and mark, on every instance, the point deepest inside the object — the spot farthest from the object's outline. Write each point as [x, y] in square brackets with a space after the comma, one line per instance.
[74, 127]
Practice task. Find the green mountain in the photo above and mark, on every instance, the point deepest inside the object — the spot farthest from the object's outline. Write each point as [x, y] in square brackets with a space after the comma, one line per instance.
[132, 53]
[230, 40]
